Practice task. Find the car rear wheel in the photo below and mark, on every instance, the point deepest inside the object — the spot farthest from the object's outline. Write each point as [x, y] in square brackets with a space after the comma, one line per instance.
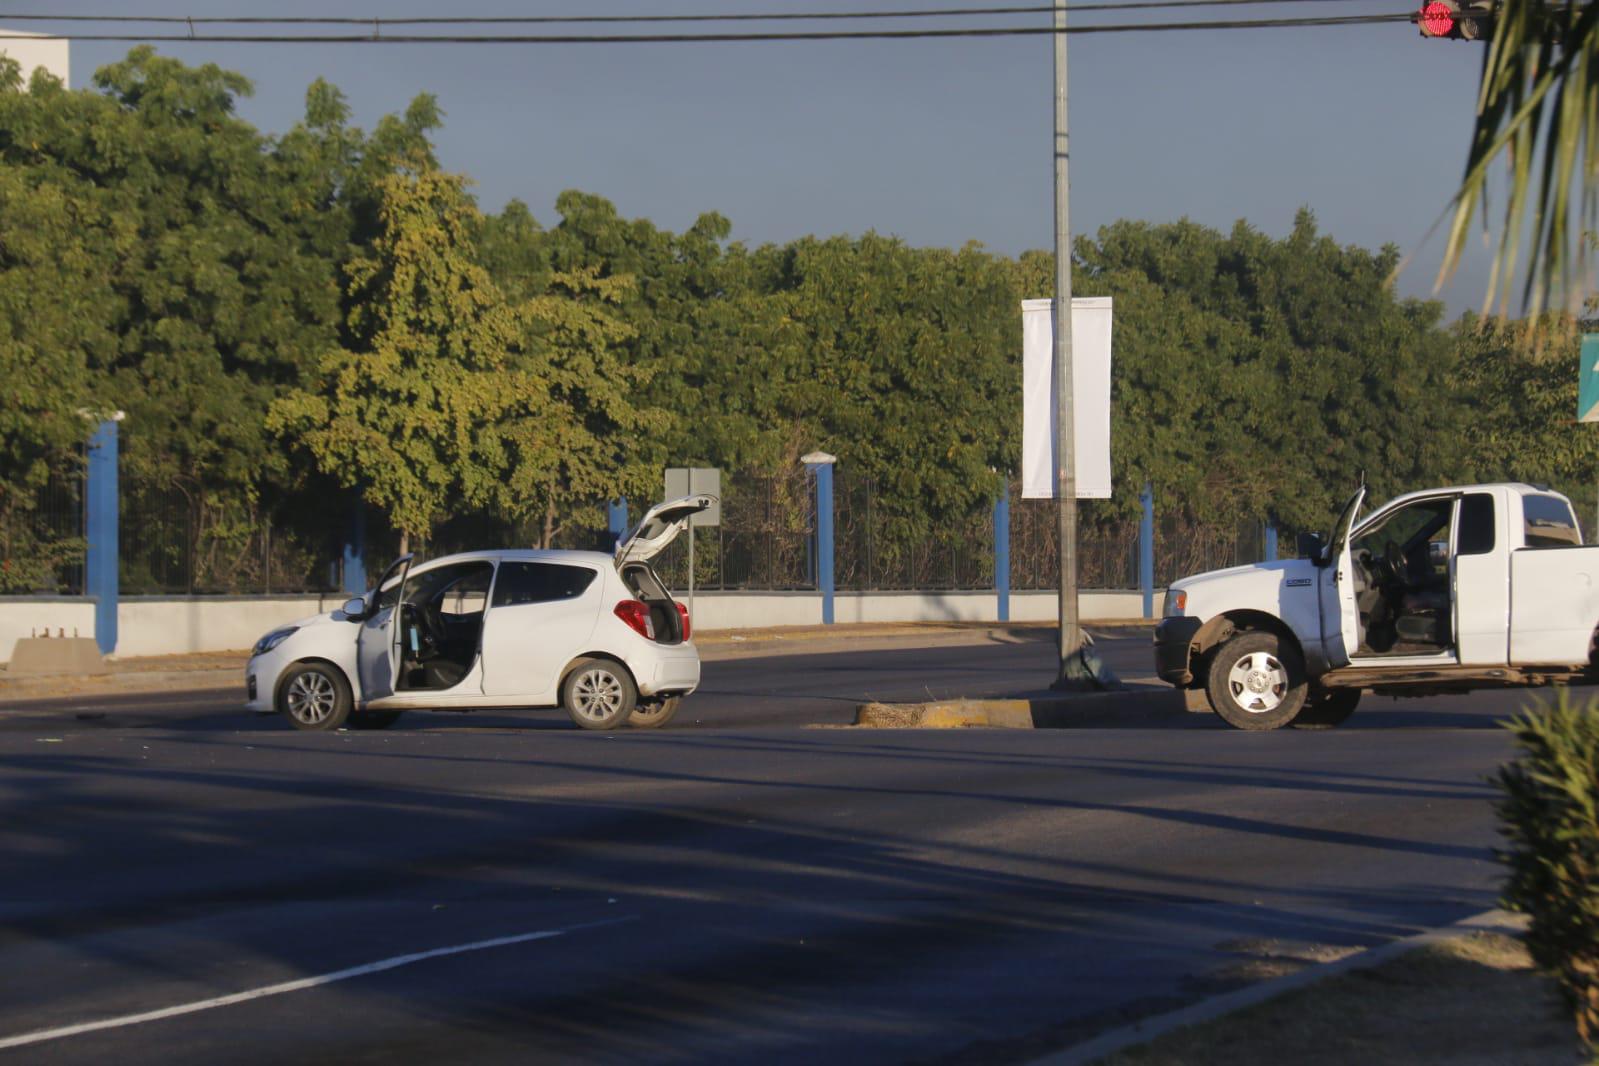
[314, 696]
[654, 715]
[1256, 681]
[598, 694]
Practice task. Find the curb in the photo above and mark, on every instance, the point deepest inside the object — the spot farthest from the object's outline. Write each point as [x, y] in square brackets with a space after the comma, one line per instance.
[64, 686]
[1139, 706]
[1142, 1032]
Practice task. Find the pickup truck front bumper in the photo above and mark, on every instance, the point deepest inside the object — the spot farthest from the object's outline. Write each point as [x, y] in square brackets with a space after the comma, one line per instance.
[1173, 639]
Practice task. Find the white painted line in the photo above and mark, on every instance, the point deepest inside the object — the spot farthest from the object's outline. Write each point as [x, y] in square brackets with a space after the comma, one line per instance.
[303, 983]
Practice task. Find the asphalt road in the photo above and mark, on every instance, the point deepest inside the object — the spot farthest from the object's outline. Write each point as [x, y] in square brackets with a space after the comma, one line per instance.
[735, 887]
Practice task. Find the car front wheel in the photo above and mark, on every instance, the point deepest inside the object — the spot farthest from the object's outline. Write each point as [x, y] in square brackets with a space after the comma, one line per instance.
[1256, 681]
[598, 694]
[314, 696]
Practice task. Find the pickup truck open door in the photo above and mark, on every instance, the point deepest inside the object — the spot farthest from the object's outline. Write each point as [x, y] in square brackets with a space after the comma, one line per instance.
[1340, 617]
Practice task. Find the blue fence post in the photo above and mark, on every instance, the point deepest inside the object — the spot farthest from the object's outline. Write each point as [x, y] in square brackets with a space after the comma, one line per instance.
[1002, 552]
[1146, 549]
[100, 566]
[616, 519]
[821, 464]
[355, 552]
[1271, 544]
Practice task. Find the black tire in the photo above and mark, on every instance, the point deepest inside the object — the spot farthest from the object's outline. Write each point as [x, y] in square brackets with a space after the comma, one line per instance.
[1256, 681]
[654, 715]
[314, 696]
[598, 694]
[1328, 709]
[374, 719]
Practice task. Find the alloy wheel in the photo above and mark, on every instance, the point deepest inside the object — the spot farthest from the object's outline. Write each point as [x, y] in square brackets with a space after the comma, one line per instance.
[311, 697]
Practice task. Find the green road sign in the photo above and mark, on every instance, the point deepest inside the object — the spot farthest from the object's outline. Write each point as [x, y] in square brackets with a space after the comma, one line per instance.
[1588, 384]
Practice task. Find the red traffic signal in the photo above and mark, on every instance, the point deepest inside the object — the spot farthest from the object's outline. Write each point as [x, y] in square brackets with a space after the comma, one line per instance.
[1436, 19]
[1462, 22]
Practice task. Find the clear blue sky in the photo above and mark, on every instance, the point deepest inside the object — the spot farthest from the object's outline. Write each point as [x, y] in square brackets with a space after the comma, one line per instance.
[938, 142]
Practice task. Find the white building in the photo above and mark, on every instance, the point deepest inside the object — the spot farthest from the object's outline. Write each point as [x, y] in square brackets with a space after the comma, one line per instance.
[32, 54]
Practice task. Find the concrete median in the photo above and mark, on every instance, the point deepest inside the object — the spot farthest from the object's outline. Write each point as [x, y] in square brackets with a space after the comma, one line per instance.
[1147, 706]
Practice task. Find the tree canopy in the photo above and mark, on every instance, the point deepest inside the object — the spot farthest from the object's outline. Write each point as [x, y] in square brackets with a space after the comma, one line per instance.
[298, 323]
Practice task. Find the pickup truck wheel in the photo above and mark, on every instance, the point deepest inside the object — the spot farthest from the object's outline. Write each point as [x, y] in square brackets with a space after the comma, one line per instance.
[1328, 709]
[1256, 681]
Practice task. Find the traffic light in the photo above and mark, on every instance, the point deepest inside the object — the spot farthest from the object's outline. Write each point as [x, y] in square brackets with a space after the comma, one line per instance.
[1473, 21]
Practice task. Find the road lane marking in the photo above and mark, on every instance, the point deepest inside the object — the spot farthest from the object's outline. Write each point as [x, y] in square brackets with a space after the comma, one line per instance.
[303, 983]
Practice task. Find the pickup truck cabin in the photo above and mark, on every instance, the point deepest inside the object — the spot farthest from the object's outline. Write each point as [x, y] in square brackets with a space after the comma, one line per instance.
[1443, 590]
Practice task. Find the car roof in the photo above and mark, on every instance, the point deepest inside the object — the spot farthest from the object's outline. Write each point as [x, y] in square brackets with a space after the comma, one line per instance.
[531, 555]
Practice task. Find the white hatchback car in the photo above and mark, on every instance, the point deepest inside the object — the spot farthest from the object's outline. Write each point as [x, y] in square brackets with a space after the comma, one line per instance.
[596, 634]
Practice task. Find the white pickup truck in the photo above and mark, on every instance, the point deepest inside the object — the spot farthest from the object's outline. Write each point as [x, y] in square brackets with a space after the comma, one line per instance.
[1443, 590]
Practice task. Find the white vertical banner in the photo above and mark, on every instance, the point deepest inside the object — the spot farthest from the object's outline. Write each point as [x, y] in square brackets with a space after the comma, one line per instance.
[1091, 319]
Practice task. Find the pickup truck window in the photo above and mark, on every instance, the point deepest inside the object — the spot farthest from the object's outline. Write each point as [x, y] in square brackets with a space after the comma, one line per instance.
[1550, 523]
[1415, 539]
[1476, 524]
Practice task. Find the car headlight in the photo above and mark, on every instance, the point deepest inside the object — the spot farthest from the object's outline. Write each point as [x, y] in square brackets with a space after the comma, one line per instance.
[273, 639]
[1176, 602]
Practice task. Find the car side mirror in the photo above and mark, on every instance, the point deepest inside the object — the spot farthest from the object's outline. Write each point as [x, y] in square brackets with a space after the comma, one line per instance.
[1309, 546]
[354, 610]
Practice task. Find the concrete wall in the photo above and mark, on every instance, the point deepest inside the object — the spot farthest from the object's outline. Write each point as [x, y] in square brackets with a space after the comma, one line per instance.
[51, 55]
[68, 616]
[175, 625]
[170, 625]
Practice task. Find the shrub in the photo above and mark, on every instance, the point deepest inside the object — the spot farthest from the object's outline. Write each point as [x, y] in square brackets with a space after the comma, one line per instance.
[1550, 816]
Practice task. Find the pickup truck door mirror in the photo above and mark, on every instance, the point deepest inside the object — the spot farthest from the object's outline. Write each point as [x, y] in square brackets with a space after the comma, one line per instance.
[1309, 546]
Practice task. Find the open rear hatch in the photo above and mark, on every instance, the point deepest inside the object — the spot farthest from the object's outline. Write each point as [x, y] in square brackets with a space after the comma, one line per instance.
[661, 618]
[659, 527]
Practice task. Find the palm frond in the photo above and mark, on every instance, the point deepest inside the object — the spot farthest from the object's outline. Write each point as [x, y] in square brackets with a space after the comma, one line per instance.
[1538, 110]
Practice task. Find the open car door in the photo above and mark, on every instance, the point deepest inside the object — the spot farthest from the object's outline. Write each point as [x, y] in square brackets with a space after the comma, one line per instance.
[1340, 617]
[378, 646]
[659, 527]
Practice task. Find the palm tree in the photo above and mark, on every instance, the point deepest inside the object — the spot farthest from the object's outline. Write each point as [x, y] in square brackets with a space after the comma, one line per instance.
[1538, 107]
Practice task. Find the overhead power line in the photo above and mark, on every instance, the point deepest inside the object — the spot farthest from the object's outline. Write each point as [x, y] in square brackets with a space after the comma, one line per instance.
[377, 36]
[530, 20]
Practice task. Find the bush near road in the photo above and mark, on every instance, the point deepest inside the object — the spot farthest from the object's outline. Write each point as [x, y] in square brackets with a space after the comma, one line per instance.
[1550, 812]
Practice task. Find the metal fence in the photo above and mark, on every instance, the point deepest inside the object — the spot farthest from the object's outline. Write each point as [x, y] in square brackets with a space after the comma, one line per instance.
[173, 541]
[767, 541]
[41, 540]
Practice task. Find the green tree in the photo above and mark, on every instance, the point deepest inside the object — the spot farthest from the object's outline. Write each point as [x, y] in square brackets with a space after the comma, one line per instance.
[449, 396]
[58, 310]
[409, 413]
[1521, 388]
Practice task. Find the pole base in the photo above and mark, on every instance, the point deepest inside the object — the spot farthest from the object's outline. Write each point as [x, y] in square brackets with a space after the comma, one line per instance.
[1084, 671]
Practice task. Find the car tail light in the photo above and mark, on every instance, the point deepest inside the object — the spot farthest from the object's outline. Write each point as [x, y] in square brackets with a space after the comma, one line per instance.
[682, 612]
[637, 616]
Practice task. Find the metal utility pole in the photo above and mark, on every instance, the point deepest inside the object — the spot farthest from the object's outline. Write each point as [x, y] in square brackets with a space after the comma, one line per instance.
[1073, 672]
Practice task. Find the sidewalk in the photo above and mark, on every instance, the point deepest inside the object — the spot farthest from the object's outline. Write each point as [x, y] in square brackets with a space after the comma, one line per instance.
[225, 669]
